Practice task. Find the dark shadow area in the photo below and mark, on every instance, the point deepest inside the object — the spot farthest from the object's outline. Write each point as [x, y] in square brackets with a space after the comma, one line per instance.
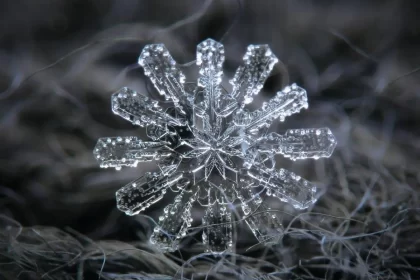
[60, 61]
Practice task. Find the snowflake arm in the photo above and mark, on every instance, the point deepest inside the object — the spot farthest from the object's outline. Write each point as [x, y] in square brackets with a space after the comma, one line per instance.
[285, 185]
[147, 190]
[174, 222]
[141, 110]
[250, 77]
[287, 102]
[128, 151]
[211, 105]
[264, 224]
[217, 222]
[210, 58]
[165, 74]
[302, 143]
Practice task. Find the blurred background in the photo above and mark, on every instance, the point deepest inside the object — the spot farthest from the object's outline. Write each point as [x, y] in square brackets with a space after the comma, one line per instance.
[60, 61]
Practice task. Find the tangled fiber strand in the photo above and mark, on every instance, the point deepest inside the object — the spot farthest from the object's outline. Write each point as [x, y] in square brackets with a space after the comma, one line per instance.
[358, 61]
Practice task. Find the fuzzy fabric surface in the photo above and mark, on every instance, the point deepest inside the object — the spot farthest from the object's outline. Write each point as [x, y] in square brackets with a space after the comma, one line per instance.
[60, 61]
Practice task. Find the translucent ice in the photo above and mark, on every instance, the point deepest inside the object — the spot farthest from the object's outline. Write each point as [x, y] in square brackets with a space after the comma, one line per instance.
[210, 149]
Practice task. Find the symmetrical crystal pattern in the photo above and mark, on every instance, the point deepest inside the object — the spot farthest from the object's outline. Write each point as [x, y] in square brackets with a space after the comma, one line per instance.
[210, 149]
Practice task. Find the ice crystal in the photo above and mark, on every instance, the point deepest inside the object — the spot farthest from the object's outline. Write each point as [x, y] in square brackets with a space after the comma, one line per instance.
[210, 149]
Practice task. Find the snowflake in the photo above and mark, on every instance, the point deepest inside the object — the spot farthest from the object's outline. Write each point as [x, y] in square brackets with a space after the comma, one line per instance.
[210, 149]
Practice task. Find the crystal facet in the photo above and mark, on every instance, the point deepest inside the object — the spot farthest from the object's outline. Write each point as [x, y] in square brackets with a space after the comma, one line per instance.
[210, 148]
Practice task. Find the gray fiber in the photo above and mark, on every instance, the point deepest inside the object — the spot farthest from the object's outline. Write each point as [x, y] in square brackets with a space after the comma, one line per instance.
[60, 61]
